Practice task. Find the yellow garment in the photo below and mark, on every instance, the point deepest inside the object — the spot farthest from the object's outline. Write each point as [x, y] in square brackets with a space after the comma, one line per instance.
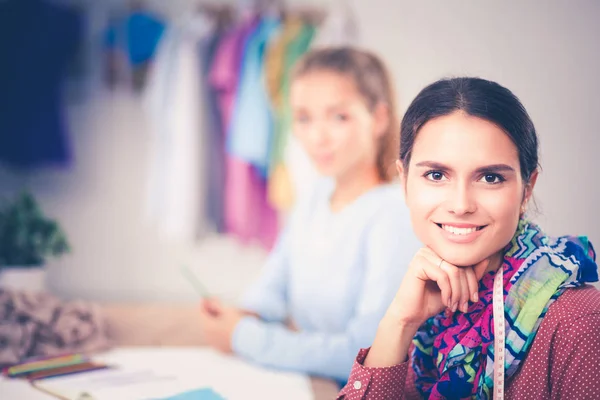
[284, 53]
[279, 186]
[280, 190]
[275, 59]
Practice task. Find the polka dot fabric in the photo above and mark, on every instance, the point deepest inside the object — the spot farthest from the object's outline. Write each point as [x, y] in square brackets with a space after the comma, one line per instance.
[563, 362]
[374, 383]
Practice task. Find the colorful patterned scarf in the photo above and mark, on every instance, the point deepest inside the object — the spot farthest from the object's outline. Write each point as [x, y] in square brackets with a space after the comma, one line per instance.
[453, 356]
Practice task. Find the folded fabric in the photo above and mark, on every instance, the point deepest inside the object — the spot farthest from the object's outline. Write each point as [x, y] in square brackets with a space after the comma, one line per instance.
[39, 324]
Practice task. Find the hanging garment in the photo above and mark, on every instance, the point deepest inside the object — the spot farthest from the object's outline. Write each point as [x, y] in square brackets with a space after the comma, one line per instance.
[251, 129]
[281, 193]
[37, 41]
[174, 101]
[214, 163]
[274, 67]
[135, 39]
[248, 215]
[279, 185]
[295, 49]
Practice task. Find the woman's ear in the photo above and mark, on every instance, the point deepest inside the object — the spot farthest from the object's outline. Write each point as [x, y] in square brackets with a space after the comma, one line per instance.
[400, 169]
[401, 176]
[529, 189]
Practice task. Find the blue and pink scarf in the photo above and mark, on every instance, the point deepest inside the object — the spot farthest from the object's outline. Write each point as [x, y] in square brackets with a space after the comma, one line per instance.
[453, 356]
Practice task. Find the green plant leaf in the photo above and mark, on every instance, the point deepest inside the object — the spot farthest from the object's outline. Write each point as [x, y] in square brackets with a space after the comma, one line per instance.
[27, 236]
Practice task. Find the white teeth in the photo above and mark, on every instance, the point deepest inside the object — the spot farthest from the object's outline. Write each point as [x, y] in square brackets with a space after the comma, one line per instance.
[458, 231]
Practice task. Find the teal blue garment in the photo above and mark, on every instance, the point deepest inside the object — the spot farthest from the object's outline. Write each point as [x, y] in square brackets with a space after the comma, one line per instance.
[144, 31]
[138, 35]
[251, 129]
[198, 394]
[333, 274]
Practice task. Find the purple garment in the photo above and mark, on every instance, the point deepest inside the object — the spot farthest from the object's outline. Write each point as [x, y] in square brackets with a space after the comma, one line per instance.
[37, 40]
[248, 215]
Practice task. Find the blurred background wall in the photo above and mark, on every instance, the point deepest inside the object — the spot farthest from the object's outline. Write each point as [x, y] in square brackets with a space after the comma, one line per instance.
[546, 52]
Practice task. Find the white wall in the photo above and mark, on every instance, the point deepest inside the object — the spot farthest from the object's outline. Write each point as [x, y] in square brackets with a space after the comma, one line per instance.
[545, 52]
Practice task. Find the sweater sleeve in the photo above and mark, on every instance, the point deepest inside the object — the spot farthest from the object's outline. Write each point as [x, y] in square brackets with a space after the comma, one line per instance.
[374, 383]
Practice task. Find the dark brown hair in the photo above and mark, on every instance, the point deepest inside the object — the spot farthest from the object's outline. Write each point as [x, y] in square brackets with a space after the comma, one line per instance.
[374, 84]
[479, 98]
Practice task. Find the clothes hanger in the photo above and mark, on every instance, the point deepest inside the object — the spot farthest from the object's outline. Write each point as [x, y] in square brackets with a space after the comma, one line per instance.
[311, 15]
[270, 8]
[223, 15]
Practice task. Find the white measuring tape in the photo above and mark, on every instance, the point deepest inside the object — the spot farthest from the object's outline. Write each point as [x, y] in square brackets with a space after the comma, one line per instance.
[499, 334]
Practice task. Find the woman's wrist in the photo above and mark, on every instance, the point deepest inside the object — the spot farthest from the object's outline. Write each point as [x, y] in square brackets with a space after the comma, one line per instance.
[391, 344]
[398, 322]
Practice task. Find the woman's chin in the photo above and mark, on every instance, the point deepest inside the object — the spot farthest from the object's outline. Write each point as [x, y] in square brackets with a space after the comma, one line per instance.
[459, 258]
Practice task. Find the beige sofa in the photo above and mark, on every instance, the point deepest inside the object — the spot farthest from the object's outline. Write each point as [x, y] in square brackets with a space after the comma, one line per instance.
[172, 325]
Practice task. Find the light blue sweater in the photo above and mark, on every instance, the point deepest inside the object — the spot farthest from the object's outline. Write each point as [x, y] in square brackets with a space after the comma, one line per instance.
[333, 275]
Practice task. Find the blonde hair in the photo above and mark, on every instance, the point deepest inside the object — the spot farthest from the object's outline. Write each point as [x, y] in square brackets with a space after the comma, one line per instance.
[373, 83]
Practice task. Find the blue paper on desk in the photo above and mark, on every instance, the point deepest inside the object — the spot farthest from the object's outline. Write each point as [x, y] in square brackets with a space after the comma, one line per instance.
[198, 394]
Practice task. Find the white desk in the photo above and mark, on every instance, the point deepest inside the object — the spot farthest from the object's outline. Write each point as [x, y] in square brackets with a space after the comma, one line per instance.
[12, 389]
[193, 367]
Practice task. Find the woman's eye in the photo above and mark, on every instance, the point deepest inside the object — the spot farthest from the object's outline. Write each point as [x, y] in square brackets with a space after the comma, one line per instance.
[492, 178]
[341, 117]
[435, 176]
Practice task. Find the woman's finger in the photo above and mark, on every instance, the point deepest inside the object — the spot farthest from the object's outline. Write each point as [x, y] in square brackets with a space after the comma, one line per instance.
[437, 262]
[433, 273]
[459, 278]
[473, 284]
[212, 306]
[455, 283]
[453, 273]
[465, 291]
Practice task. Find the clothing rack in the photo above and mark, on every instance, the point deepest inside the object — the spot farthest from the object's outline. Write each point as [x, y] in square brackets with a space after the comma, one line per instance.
[227, 13]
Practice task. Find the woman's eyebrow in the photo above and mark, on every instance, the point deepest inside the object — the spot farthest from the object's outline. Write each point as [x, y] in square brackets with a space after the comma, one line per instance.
[432, 165]
[496, 168]
[485, 168]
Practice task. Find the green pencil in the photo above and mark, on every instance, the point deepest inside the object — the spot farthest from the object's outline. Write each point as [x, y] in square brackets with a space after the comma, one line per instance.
[191, 278]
